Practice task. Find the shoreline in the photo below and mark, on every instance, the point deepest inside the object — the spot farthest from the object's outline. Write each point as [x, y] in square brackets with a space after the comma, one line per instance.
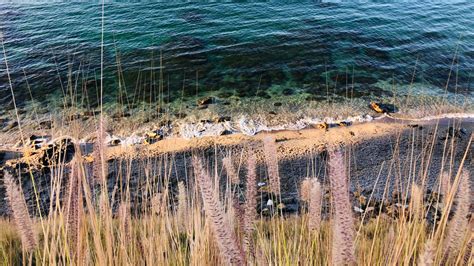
[377, 153]
[309, 128]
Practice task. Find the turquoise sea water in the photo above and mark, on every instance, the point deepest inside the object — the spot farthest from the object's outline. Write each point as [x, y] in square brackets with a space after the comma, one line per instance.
[237, 48]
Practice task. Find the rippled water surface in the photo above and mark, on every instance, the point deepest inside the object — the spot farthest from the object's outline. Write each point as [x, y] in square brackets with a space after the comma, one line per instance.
[241, 49]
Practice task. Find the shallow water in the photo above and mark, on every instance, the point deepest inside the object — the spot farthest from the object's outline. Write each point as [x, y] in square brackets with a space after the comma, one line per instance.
[242, 49]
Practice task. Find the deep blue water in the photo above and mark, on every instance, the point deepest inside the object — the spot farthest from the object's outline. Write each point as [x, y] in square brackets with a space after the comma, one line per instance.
[236, 48]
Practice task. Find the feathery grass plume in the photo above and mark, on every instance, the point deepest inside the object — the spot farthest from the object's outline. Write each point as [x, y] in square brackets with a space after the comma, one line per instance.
[182, 206]
[223, 233]
[229, 168]
[20, 213]
[416, 201]
[428, 254]
[99, 166]
[459, 224]
[305, 189]
[156, 202]
[343, 249]
[74, 208]
[315, 204]
[250, 204]
[271, 159]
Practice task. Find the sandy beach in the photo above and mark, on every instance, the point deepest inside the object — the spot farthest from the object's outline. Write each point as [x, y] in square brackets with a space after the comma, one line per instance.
[386, 151]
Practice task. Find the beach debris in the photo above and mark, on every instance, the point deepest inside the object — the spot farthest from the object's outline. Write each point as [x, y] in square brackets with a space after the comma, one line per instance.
[54, 152]
[152, 137]
[113, 140]
[36, 142]
[322, 125]
[383, 108]
[344, 123]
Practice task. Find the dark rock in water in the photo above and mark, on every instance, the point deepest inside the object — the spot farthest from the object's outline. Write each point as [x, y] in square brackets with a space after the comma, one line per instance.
[287, 92]
[226, 103]
[206, 101]
[272, 113]
[277, 104]
[263, 94]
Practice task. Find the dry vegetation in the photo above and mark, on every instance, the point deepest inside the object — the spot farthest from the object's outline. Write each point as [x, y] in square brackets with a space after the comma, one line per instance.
[210, 216]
